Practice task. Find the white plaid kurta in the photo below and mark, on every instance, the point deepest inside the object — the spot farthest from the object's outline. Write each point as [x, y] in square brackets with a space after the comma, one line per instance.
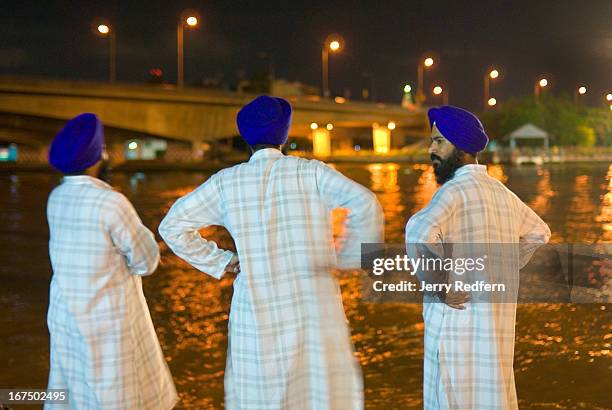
[289, 343]
[469, 353]
[104, 349]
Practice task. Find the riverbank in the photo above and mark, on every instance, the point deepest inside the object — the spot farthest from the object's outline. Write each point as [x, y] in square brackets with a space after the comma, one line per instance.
[129, 166]
[357, 157]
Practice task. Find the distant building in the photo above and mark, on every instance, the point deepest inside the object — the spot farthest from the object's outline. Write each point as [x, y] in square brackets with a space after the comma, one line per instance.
[528, 132]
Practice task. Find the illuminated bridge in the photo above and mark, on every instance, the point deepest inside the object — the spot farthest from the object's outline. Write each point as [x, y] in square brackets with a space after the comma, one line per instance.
[183, 121]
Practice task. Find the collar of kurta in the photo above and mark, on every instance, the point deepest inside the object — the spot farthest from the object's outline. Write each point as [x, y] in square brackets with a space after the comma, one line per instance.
[266, 153]
[85, 179]
[469, 168]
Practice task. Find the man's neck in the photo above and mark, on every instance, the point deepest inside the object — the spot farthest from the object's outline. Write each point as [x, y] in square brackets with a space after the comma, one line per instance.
[259, 147]
[468, 159]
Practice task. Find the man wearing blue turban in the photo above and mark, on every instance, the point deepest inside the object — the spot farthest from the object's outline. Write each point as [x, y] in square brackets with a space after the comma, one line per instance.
[457, 137]
[104, 349]
[469, 337]
[289, 343]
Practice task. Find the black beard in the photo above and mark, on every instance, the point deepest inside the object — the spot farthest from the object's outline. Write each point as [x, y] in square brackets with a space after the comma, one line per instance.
[104, 171]
[445, 169]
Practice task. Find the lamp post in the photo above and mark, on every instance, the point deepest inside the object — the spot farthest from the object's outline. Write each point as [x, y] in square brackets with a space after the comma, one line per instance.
[104, 29]
[424, 63]
[188, 19]
[333, 43]
[539, 85]
[491, 75]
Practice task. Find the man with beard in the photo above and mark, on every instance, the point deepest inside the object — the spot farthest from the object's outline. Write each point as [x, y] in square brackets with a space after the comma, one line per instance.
[469, 344]
[104, 349]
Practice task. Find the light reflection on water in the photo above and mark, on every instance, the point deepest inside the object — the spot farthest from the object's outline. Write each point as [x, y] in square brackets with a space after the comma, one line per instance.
[562, 355]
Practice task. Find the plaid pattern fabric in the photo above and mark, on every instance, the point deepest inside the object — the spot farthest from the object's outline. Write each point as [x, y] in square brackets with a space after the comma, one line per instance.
[289, 343]
[104, 349]
[469, 353]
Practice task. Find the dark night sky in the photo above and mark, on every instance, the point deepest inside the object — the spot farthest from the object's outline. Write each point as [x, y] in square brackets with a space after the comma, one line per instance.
[570, 41]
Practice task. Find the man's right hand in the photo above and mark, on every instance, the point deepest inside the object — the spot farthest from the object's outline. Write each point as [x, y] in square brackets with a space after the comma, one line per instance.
[233, 265]
[455, 299]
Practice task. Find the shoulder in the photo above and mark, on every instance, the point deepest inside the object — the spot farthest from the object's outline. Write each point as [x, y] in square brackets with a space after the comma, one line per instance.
[293, 161]
[442, 202]
[447, 194]
[115, 204]
[114, 197]
[320, 167]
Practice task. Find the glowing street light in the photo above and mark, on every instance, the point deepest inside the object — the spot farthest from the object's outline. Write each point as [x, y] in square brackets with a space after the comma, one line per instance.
[333, 43]
[492, 102]
[407, 88]
[191, 21]
[490, 75]
[391, 125]
[609, 97]
[188, 19]
[424, 63]
[580, 91]
[539, 85]
[438, 90]
[104, 29]
[314, 125]
[329, 126]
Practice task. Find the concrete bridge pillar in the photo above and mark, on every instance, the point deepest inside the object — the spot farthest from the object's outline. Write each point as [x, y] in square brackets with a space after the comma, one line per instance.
[321, 142]
[381, 138]
[197, 150]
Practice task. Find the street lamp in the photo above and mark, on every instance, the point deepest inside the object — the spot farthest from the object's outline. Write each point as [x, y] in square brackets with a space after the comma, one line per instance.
[438, 90]
[426, 62]
[539, 85]
[490, 75]
[582, 90]
[491, 102]
[104, 29]
[609, 97]
[333, 43]
[188, 19]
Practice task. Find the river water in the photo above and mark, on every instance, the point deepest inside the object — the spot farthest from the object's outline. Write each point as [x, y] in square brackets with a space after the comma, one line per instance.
[562, 353]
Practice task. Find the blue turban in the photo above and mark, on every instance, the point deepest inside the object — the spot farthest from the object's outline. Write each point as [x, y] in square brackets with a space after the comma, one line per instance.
[78, 145]
[265, 120]
[460, 127]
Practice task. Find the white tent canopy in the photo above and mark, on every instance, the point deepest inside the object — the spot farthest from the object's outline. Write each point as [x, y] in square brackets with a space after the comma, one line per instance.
[528, 131]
